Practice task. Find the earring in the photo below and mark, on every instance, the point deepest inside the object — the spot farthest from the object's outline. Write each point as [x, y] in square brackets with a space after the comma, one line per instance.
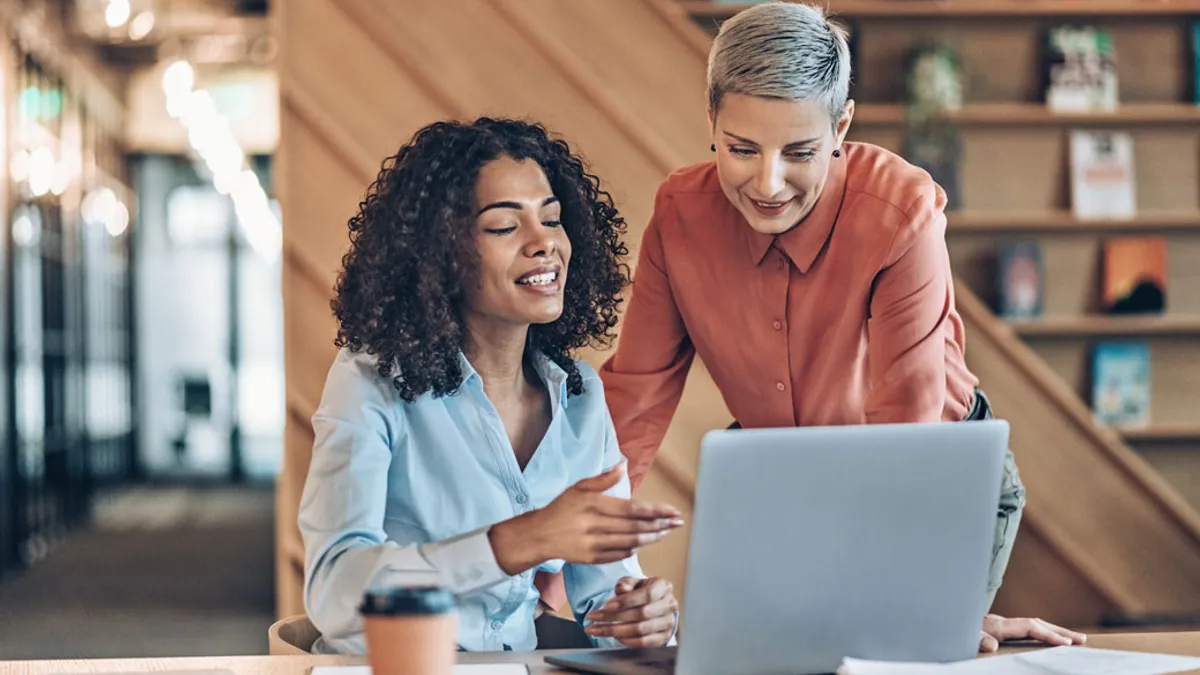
[713, 147]
[837, 153]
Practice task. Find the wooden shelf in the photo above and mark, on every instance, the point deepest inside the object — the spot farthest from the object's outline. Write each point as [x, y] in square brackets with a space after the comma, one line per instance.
[983, 222]
[1161, 434]
[1037, 114]
[971, 8]
[1105, 325]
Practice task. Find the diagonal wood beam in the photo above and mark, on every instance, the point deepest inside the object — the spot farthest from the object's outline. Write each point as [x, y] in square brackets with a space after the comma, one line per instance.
[589, 85]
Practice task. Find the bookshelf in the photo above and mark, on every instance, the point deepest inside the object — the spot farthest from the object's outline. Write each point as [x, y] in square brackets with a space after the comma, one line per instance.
[1014, 177]
[704, 9]
[1002, 113]
[1161, 434]
[1064, 222]
[1108, 326]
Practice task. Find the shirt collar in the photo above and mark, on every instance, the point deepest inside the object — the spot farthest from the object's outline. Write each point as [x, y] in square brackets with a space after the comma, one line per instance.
[803, 243]
[551, 373]
[554, 377]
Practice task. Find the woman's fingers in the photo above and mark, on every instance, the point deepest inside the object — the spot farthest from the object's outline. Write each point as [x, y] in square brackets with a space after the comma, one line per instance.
[661, 607]
[615, 525]
[634, 509]
[646, 599]
[658, 627]
[987, 643]
[1002, 628]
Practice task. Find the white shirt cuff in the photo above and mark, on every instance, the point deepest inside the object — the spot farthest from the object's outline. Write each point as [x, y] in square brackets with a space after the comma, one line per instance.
[464, 564]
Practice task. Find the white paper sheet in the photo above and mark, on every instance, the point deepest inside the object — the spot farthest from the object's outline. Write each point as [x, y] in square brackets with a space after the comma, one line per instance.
[460, 669]
[1053, 661]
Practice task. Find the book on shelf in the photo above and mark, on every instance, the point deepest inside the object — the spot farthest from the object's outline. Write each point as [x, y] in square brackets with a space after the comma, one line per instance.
[1135, 275]
[1196, 61]
[1121, 383]
[1019, 280]
[853, 41]
[1080, 69]
[1102, 177]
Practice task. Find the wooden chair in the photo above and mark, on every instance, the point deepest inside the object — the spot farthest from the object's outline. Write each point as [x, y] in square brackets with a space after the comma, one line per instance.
[291, 635]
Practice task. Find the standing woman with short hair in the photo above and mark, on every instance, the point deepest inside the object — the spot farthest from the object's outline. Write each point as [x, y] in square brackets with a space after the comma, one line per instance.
[809, 273]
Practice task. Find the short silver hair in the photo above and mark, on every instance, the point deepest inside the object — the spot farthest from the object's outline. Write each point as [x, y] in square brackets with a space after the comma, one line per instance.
[781, 50]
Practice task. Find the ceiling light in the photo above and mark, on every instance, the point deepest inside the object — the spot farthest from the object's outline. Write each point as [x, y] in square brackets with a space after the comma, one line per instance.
[117, 221]
[141, 25]
[116, 13]
[41, 171]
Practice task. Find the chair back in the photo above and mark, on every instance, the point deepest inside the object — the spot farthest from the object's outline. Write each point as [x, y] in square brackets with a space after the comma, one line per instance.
[291, 635]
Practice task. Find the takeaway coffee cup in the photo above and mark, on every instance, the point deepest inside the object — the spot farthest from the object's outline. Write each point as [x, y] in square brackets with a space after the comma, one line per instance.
[411, 631]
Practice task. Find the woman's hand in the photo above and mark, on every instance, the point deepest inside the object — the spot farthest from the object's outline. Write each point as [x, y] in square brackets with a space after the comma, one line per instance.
[583, 525]
[997, 629]
[641, 613]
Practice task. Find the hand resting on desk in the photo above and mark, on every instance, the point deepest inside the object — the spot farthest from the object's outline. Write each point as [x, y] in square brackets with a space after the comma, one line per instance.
[641, 613]
[997, 629]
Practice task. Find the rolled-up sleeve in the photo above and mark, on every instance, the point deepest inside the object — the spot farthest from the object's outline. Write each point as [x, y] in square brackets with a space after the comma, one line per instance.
[645, 377]
[342, 512]
[910, 306]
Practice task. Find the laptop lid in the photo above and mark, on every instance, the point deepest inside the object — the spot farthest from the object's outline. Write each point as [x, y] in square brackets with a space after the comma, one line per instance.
[812, 544]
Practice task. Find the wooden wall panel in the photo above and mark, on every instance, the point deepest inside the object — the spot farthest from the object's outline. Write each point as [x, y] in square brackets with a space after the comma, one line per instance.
[324, 193]
[374, 102]
[1183, 269]
[1177, 462]
[289, 548]
[491, 69]
[310, 329]
[664, 76]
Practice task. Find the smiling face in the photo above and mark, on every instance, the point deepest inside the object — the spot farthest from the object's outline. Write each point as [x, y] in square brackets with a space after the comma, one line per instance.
[773, 156]
[523, 251]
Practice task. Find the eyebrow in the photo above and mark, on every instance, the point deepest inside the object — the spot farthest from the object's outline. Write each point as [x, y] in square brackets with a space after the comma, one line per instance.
[751, 142]
[513, 205]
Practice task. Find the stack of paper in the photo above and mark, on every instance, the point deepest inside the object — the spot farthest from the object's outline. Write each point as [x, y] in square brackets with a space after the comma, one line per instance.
[1054, 661]
[460, 669]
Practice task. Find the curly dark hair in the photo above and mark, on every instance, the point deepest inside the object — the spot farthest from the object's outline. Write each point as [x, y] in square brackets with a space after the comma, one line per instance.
[412, 254]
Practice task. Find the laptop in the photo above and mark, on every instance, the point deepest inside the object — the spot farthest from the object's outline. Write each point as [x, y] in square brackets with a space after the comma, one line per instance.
[809, 545]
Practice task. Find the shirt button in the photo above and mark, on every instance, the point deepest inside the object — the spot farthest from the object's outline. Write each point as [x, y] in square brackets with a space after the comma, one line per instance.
[521, 499]
[780, 386]
[778, 325]
[496, 625]
[779, 264]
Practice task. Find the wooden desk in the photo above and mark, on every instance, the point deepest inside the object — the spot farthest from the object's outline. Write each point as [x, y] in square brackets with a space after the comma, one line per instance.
[1187, 644]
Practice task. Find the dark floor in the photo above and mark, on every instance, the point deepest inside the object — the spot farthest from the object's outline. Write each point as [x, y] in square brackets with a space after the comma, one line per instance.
[178, 571]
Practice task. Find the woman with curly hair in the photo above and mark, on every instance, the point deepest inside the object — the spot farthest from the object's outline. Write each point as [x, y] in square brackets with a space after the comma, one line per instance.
[458, 441]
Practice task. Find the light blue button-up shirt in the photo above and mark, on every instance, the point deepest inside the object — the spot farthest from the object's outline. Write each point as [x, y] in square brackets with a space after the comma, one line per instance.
[403, 494]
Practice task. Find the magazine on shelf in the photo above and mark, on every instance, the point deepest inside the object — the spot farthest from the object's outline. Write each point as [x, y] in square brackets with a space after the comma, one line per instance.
[1081, 71]
[1019, 280]
[1135, 275]
[1102, 176]
[1121, 383]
